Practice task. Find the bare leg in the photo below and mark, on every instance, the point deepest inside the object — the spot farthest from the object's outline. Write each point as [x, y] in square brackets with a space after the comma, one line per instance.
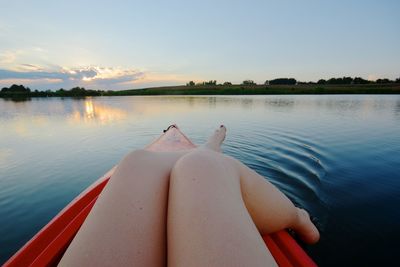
[218, 207]
[208, 223]
[127, 225]
[270, 209]
[215, 140]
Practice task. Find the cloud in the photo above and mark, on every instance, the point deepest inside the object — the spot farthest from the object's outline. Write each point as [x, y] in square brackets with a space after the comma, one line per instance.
[91, 77]
[30, 67]
[11, 74]
[151, 79]
[8, 57]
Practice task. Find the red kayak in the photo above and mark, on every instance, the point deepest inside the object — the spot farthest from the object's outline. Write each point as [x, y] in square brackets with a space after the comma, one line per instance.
[49, 244]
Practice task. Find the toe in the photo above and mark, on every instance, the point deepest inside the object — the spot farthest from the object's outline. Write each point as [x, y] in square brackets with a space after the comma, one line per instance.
[308, 232]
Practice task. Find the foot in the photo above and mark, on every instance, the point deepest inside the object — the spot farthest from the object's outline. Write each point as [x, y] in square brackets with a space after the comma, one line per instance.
[305, 228]
[215, 140]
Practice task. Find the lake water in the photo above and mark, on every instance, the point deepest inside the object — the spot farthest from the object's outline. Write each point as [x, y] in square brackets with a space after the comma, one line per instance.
[336, 156]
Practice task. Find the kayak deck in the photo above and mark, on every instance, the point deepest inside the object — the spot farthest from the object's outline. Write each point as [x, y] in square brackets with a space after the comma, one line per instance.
[49, 244]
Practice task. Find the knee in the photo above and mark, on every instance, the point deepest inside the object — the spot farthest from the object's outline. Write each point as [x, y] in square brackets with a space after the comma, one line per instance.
[134, 159]
[136, 155]
[204, 165]
[133, 165]
[191, 163]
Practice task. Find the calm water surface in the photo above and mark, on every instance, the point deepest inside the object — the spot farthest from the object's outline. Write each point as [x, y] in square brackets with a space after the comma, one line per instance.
[336, 156]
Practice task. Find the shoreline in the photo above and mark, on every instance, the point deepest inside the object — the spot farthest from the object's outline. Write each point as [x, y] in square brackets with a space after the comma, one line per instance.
[299, 89]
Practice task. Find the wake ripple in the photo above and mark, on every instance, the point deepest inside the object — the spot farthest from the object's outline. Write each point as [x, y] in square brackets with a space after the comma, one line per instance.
[292, 162]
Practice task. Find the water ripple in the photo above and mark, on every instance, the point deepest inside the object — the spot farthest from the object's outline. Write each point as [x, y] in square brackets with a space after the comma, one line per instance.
[292, 163]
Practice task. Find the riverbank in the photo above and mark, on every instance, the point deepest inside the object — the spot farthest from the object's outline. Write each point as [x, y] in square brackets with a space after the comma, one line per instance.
[392, 88]
[236, 89]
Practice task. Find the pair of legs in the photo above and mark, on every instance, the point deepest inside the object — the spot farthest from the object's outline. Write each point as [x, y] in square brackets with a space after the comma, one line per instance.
[189, 208]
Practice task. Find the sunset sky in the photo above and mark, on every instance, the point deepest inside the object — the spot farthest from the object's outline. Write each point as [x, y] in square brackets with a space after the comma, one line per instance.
[134, 44]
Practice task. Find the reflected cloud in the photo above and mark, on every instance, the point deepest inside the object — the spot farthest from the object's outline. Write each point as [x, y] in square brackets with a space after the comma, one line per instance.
[89, 109]
[5, 154]
[21, 129]
[28, 126]
[94, 112]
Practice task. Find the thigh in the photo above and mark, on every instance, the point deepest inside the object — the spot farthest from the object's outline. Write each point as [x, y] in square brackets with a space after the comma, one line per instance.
[208, 223]
[127, 225]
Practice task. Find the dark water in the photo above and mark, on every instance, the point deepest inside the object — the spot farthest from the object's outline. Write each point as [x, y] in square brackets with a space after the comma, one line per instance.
[336, 156]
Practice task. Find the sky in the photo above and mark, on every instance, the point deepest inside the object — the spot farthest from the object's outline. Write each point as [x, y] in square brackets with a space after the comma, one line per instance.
[116, 45]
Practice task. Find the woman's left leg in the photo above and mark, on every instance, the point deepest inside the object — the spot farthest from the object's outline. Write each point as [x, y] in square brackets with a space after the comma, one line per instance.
[208, 223]
[270, 209]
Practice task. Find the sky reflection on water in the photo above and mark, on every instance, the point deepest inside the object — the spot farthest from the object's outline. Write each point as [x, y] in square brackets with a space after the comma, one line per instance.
[337, 156]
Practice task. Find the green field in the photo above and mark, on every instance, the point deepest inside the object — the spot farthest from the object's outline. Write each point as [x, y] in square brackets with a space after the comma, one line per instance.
[392, 88]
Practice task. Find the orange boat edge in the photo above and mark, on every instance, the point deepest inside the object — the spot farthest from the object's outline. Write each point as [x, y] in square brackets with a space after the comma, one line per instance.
[48, 246]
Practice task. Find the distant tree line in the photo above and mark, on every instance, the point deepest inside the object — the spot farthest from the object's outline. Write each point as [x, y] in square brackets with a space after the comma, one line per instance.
[248, 82]
[292, 81]
[22, 91]
[281, 81]
[344, 80]
[211, 82]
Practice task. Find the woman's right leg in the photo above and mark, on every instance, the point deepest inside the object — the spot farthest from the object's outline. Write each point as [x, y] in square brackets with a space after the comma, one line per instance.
[127, 225]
